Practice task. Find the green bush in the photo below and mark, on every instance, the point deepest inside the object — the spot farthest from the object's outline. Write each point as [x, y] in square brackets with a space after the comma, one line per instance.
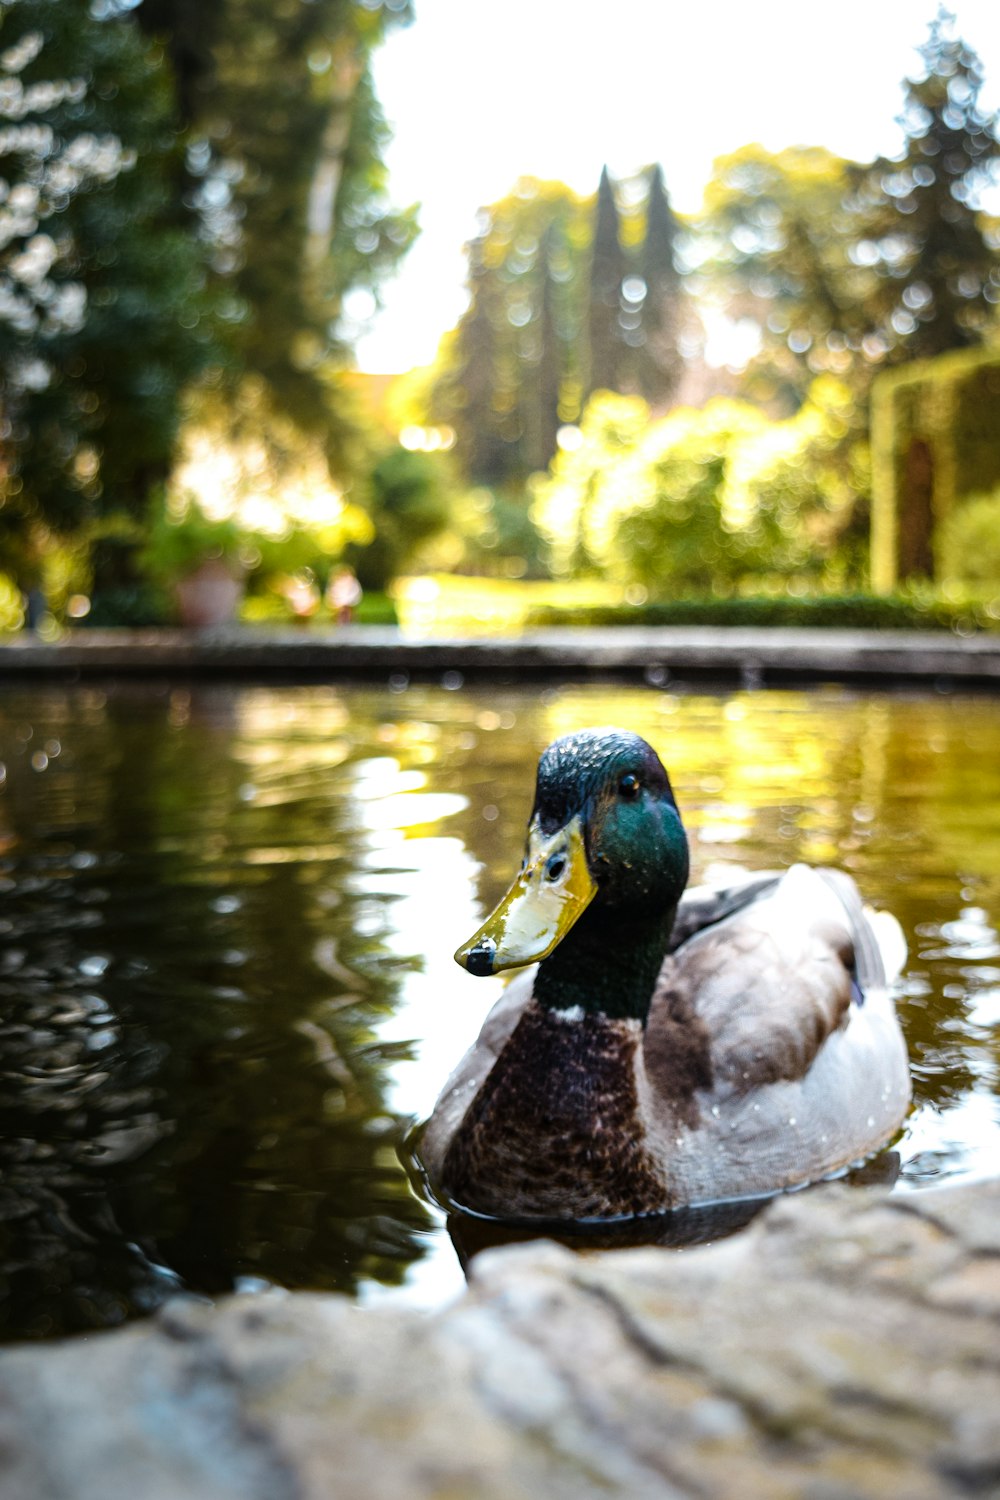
[376, 609]
[708, 498]
[177, 544]
[942, 411]
[969, 544]
[409, 502]
[848, 612]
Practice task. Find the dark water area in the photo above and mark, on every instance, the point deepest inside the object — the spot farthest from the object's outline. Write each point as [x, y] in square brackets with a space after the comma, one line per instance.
[227, 915]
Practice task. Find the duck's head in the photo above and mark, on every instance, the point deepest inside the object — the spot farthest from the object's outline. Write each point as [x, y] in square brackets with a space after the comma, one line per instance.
[604, 837]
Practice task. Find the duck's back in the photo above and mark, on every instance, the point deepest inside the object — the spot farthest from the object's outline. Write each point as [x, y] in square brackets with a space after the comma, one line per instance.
[773, 1054]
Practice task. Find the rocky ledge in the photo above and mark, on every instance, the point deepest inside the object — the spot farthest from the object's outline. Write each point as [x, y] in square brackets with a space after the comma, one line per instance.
[846, 1344]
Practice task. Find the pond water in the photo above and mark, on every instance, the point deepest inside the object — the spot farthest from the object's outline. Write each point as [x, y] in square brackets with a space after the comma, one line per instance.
[227, 915]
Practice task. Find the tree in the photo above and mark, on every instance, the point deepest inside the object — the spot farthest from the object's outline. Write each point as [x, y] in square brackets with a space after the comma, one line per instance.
[511, 374]
[103, 312]
[775, 236]
[559, 286]
[918, 222]
[286, 166]
[659, 359]
[608, 269]
[409, 504]
[845, 267]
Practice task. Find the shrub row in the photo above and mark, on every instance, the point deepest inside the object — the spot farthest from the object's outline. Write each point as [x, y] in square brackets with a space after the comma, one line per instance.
[851, 611]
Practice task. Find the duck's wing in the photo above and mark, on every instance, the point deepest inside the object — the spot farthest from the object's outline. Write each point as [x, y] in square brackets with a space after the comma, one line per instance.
[765, 985]
[704, 905]
[465, 1082]
[767, 1062]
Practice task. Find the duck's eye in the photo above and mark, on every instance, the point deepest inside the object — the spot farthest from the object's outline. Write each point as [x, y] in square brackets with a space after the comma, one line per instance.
[555, 866]
[629, 788]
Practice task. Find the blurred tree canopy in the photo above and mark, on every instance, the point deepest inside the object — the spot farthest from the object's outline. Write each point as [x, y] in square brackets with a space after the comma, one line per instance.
[608, 266]
[658, 340]
[937, 271]
[285, 168]
[708, 500]
[846, 268]
[104, 310]
[409, 503]
[774, 241]
[187, 193]
[567, 296]
[511, 374]
[194, 226]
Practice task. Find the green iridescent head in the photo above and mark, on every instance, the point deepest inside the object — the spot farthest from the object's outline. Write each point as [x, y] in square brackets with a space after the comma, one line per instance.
[605, 838]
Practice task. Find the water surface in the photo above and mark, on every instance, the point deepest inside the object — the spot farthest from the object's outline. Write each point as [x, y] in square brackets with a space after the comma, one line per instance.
[226, 921]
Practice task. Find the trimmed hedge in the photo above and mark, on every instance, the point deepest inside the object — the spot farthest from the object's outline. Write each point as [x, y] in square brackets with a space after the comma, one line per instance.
[846, 612]
[935, 440]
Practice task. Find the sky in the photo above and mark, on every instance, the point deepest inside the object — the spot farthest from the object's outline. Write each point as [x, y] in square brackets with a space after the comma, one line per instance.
[479, 95]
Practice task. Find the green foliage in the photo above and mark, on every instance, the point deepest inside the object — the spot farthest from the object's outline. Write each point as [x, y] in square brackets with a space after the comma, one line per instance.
[565, 297]
[917, 215]
[935, 442]
[846, 267]
[113, 578]
[11, 606]
[702, 500]
[376, 608]
[606, 365]
[969, 545]
[104, 315]
[671, 529]
[286, 164]
[589, 478]
[806, 481]
[658, 359]
[512, 372]
[131, 606]
[501, 538]
[775, 245]
[833, 612]
[409, 504]
[201, 198]
[179, 542]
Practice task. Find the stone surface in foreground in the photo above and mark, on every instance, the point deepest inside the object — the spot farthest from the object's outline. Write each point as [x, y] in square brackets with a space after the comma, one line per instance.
[846, 1344]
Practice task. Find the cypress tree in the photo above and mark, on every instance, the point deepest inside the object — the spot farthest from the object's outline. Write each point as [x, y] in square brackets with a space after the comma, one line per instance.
[466, 396]
[607, 273]
[510, 374]
[660, 361]
[551, 363]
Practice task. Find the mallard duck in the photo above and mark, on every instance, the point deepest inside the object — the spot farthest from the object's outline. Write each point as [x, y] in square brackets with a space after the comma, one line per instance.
[670, 1047]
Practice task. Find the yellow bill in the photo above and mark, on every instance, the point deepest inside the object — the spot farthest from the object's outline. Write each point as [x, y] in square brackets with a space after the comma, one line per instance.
[553, 888]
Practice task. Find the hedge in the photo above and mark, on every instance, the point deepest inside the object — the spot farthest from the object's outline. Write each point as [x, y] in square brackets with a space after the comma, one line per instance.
[848, 612]
[935, 437]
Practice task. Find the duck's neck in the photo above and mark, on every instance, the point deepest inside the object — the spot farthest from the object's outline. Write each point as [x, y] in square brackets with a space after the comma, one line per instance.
[606, 965]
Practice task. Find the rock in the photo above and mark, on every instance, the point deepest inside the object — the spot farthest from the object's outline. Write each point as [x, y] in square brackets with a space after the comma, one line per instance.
[845, 1345]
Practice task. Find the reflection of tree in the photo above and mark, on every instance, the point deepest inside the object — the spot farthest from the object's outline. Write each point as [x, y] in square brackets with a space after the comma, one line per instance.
[194, 963]
[229, 1118]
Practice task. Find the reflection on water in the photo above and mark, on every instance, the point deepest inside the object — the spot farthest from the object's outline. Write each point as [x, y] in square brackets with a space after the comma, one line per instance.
[226, 921]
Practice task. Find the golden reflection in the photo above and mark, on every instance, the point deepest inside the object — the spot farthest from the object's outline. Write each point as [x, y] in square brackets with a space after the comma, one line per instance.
[275, 879]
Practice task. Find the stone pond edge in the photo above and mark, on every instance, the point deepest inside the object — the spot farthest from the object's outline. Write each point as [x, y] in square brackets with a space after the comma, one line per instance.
[844, 1345]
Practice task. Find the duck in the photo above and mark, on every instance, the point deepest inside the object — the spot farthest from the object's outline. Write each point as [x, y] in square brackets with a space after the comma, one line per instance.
[666, 1046]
